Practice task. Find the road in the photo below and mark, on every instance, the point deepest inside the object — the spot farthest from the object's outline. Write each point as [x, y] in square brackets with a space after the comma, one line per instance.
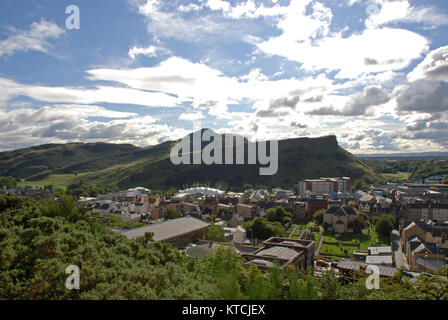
[399, 256]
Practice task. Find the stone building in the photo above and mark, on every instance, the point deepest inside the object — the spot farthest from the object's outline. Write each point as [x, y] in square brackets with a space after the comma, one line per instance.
[339, 219]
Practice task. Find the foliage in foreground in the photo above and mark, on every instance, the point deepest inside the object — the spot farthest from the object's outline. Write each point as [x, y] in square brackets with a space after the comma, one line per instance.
[39, 240]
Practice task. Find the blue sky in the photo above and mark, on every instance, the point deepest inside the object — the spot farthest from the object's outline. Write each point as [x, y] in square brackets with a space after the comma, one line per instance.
[372, 72]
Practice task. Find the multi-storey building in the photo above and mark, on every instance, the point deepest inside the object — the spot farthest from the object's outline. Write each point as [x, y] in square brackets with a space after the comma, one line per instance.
[319, 187]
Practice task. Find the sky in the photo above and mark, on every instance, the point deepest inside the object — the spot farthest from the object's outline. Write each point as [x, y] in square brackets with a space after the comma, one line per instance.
[372, 72]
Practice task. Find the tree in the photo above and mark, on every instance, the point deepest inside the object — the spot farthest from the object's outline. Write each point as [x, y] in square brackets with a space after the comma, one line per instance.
[445, 179]
[384, 226]
[360, 185]
[8, 182]
[172, 214]
[356, 225]
[278, 214]
[216, 233]
[319, 216]
[262, 228]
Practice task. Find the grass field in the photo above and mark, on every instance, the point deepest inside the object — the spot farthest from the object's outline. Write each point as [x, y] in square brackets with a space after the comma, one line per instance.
[399, 176]
[371, 238]
[56, 180]
[64, 180]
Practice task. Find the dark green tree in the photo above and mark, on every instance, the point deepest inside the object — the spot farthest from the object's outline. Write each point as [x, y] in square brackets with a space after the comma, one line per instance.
[216, 233]
[172, 214]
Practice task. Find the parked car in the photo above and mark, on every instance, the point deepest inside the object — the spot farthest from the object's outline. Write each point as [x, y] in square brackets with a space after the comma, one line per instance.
[427, 274]
[334, 264]
[408, 274]
[322, 263]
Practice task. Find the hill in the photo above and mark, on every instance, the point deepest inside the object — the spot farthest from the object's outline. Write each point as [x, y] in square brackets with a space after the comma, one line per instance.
[128, 166]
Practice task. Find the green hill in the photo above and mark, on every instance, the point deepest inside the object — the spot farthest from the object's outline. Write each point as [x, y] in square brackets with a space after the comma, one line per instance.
[128, 166]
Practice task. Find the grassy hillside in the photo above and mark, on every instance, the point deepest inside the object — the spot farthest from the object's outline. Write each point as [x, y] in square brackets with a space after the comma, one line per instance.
[127, 165]
[36, 162]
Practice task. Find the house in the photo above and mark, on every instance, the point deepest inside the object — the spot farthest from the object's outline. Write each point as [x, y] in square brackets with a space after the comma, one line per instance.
[246, 211]
[282, 194]
[426, 231]
[339, 219]
[422, 255]
[235, 221]
[425, 242]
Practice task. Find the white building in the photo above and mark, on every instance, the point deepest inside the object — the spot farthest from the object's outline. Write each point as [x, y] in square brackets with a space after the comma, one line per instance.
[317, 187]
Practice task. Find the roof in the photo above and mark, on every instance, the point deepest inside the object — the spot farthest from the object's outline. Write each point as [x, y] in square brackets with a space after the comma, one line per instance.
[380, 250]
[278, 252]
[354, 265]
[168, 229]
[342, 211]
[432, 264]
[377, 259]
[203, 190]
[261, 262]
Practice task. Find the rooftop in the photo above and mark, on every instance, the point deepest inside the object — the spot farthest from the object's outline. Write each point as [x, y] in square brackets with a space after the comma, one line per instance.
[380, 250]
[278, 253]
[379, 260]
[168, 229]
[356, 266]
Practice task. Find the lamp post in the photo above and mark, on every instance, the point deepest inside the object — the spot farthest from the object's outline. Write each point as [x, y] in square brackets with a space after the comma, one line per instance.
[424, 262]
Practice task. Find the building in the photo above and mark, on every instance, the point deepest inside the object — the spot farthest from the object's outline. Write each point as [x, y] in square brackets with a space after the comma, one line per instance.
[316, 204]
[319, 187]
[178, 232]
[426, 255]
[246, 211]
[425, 243]
[339, 219]
[348, 268]
[380, 256]
[426, 231]
[283, 252]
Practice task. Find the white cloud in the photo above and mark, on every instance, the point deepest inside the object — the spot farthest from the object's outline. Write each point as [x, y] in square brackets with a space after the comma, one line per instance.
[354, 55]
[61, 124]
[433, 67]
[191, 116]
[34, 39]
[403, 11]
[150, 51]
[102, 94]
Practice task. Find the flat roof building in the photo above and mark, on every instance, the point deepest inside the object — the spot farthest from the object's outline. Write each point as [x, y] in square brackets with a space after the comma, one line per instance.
[179, 231]
[349, 266]
[283, 251]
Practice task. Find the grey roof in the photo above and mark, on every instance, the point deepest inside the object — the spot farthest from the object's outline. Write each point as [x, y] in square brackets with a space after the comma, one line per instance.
[354, 265]
[380, 250]
[432, 264]
[379, 259]
[341, 211]
[168, 229]
[260, 262]
[278, 252]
